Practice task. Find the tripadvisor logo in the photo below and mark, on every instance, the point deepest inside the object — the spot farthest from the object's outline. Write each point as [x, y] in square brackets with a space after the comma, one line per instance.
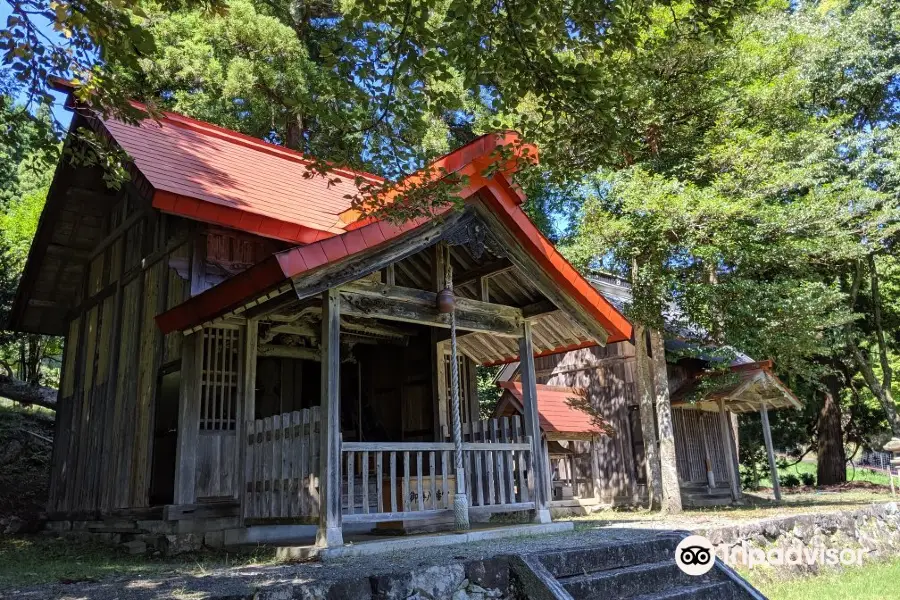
[695, 555]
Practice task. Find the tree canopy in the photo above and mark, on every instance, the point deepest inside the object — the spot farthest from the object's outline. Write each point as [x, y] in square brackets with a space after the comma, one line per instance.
[763, 213]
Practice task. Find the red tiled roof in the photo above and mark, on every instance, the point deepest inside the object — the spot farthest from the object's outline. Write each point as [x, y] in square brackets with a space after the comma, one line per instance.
[266, 275]
[554, 411]
[213, 174]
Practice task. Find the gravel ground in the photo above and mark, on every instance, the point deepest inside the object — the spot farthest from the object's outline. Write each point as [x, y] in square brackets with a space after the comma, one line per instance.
[235, 583]
[282, 581]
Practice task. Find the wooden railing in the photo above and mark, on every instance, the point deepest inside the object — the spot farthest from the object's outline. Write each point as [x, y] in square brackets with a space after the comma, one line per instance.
[498, 464]
[396, 481]
[281, 472]
[382, 481]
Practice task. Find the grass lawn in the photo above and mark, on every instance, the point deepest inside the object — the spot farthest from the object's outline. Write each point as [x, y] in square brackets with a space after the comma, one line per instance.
[853, 474]
[758, 507]
[874, 581]
[37, 559]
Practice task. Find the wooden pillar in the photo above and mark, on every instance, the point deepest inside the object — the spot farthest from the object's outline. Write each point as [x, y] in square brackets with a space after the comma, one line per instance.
[533, 426]
[330, 530]
[595, 468]
[730, 461]
[438, 282]
[668, 459]
[247, 408]
[643, 380]
[188, 419]
[770, 451]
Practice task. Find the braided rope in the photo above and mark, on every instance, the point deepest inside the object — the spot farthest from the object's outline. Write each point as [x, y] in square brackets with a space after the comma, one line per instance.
[460, 501]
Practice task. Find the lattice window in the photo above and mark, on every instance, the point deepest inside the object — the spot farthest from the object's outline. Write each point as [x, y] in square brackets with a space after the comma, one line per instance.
[220, 381]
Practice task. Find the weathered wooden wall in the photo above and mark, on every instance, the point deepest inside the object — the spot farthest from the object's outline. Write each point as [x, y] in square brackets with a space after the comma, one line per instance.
[693, 429]
[607, 374]
[103, 453]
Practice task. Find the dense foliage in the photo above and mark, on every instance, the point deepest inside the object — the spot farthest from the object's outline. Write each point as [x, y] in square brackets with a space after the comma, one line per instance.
[763, 212]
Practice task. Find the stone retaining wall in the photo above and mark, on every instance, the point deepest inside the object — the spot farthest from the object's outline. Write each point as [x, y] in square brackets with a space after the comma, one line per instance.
[875, 529]
[475, 580]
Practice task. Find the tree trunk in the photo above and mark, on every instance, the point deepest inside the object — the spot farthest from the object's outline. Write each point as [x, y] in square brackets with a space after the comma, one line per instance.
[832, 461]
[24, 393]
[671, 488]
[644, 384]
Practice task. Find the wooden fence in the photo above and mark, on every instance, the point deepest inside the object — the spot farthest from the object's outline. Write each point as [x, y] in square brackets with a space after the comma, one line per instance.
[395, 481]
[282, 467]
[383, 481]
[497, 476]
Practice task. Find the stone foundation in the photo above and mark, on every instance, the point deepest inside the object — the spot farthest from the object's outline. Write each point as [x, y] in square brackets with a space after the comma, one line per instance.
[148, 536]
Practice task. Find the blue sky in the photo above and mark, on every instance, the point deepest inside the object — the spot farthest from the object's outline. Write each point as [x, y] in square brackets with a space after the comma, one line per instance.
[61, 115]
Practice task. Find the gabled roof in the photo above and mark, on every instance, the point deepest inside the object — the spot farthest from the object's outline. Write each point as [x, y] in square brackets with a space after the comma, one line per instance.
[745, 387]
[216, 175]
[498, 195]
[211, 174]
[556, 414]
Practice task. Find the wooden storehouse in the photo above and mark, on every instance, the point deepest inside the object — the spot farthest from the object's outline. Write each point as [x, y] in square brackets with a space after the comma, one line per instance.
[242, 350]
[612, 469]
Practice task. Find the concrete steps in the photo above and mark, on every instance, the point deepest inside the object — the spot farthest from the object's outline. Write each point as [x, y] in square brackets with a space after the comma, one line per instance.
[717, 590]
[640, 570]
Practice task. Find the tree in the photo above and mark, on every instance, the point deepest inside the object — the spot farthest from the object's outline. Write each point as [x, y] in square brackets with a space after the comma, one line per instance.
[29, 362]
[385, 86]
[764, 204]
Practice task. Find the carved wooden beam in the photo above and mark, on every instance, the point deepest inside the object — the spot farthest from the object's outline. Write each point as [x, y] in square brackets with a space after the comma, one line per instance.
[410, 305]
[289, 352]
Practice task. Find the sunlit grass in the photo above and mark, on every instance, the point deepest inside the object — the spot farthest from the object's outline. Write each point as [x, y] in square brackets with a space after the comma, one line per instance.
[32, 560]
[853, 474]
[873, 581]
[758, 507]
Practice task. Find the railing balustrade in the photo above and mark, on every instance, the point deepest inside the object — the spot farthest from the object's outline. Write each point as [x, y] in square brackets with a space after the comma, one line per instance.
[383, 481]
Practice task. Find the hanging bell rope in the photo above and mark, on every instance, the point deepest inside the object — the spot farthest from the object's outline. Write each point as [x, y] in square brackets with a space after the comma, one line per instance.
[447, 304]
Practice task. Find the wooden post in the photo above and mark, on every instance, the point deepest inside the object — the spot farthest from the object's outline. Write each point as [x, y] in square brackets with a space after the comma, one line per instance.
[533, 426]
[733, 474]
[710, 476]
[330, 530]
[595, 468]
[668, 460]
[643, 380]
[770, 451]
[438, 282]
[247, 404]
[188, 419]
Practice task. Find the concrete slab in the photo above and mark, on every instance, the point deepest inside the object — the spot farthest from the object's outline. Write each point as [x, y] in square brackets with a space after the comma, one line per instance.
[417, 542]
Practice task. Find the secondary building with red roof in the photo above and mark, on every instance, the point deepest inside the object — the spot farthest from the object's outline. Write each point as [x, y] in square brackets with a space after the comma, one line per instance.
[244, 350]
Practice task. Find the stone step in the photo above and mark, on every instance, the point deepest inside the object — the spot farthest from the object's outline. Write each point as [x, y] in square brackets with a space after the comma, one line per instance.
[717, 590]
[716, 491]
[633, 581]
[580, 561]
[705, 501]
